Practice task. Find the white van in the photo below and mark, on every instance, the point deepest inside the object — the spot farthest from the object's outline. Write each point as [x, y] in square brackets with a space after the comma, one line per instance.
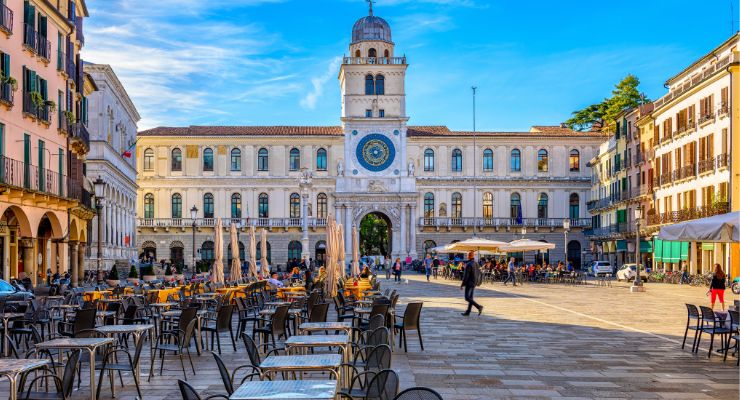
[600, 268]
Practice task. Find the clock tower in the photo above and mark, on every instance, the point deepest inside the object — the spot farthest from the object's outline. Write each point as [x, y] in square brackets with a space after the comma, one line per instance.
[375, 175]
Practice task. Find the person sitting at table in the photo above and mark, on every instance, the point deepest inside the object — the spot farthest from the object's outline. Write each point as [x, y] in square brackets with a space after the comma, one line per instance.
[295, 274]
[309, 280]
[274, 282]
[365, 272]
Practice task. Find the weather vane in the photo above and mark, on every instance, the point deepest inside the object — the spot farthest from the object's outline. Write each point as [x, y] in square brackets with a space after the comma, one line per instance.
[370, 2]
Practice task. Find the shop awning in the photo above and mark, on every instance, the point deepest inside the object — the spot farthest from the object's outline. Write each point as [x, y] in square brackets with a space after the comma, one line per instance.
[673, 252]
[621, 245]
[723, 228]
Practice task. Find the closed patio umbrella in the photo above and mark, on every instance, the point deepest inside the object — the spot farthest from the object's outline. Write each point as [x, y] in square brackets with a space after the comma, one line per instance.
[217, 272]
[330, 284]
[263, 259]
[341, 264]
[236, 263]
[252, 252]
[355, 253]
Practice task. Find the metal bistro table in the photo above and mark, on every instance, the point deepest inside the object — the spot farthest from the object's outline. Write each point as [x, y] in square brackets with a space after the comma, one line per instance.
[326, 326]
[312, 362]
[314, 341]
[286, 390]
[12, 368]
[89, 344]
[6, 320]
[136, 330]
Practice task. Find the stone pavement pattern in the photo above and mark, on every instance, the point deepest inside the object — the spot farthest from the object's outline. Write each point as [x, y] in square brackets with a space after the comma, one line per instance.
[532, 341]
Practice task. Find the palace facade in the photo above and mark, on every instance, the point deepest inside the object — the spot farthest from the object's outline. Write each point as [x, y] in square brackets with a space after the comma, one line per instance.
[431, 185]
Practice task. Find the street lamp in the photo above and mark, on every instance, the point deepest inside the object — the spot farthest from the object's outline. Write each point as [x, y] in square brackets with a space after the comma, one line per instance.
[193, 217]
[637, 283]
[99, 186]
[305, 181]
[566, 228]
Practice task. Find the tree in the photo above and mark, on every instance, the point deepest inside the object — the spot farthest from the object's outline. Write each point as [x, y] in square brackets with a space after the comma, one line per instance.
[374, 235]
[624, 96]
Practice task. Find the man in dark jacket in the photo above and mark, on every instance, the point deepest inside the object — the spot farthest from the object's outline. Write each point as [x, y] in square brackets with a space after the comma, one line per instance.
[472, 269]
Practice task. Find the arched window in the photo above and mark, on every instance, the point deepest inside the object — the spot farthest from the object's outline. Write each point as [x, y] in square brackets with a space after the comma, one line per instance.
[148, 160]
[457, 160]
[177, 252]
[575, 161]
[263, 163]
[386, 54]
[208, 159]
[487, 205]
[295, 205]
[357, 53]
[542, 205]
[269, 253]
[372, 53]
[542, 165]
[263, 206]
[236, 160]
[428, 246]
[322, 206]
[206, 251]
[176, 205]
[321, 159]
[295, 159]
[429, 205]
[176, 160]
[148, 206]
[456, 205]
[369, 85]
[574, 210]
[488, 160]
[294, 250]
[516, 160]
[236, 205]
[429, 160]
[380, 85]
[208, 205]
[515, 205]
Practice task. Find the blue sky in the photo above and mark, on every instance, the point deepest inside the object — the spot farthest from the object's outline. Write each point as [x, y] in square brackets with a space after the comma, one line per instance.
[275, 62]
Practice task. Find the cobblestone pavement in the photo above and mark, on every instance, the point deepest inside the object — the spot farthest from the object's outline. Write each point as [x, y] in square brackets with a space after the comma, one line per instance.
[532, 341]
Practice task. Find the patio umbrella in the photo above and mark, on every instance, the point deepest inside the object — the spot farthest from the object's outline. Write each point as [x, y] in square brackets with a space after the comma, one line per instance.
[355, 252]
[263, 249]
[477, 244]
[341, 265]
[523, 245]
[252, 252]
[446, 250]
[217, 272]
[236, 263]
[331, 275]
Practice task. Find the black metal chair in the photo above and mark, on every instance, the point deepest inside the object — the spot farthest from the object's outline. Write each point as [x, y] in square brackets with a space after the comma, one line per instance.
[410, 321]
[84, 319]
[734, 335]
[111, 362]
[318, 312]
[711, 325]
[693, 316]
[383, 385]
[275, 328]
[221, 324]
[63, 386]
[181, 345]
[188, 393]
[418, 393]
[229, 378]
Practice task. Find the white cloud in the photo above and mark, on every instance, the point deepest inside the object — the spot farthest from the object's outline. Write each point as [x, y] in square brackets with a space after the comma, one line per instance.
[318, 83]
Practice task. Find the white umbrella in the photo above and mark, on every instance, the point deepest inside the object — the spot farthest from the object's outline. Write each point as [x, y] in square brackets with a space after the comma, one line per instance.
[355, 252]
[236, 263]
[252, 252]
[446, 250]
[263, 259]
[527, 245]
[723, 228]
[477, 244]
[217, 273]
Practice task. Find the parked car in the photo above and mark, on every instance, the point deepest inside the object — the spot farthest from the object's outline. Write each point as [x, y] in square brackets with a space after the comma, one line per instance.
[600, 268]
[627, 272]
[10, 292]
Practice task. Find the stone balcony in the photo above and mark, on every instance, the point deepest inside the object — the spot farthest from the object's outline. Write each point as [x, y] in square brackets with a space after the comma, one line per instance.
[243, 223]
[500, 223]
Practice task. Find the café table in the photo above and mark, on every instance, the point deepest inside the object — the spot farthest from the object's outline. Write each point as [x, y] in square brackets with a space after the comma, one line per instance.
[301, 363]
[89, 344]
[12, 368]
[314, 341]
[326, 326]
[277, 303]
[286, 390]
[6, 317]
[134, 329]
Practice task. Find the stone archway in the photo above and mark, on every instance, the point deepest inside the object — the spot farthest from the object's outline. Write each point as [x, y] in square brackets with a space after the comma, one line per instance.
[376, 234]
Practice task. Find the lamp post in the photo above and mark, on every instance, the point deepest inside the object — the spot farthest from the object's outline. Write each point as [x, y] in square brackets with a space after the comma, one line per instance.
[193, 217]
[566, 228]
[637, 283]
[99, 186]
[305, 181]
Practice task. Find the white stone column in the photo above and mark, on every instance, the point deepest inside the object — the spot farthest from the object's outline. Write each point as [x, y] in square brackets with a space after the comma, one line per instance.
[403, 250]
[692, 258]
[412, 231]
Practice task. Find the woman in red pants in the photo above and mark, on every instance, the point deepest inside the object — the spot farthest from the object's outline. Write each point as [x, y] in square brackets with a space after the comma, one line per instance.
[717, 287]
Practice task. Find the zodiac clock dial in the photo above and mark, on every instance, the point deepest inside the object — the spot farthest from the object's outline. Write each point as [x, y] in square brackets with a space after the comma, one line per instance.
[375, 152]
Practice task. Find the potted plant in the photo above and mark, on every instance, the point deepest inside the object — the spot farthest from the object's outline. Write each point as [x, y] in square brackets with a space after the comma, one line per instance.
[69, 116]
[51, 104]
[36, 99]
[168, 273]
[10, 81]
[113, 277]
[147, 273]
[133, 275]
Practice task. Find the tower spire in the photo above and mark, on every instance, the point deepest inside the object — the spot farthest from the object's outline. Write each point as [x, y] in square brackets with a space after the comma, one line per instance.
[370, 3]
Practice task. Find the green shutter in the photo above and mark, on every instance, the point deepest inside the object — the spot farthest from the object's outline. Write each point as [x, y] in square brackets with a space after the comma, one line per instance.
[42, 175]
[6, 64]
[2, 152]
[42, 89]
[26, 160]
[32, 80]
[684, 250]
[61, 172]
[658, 250]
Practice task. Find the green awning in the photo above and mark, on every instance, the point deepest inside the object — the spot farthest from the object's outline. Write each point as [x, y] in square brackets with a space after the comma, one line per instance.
[707, 246]
[646, 247]
[621, 245]
[658, 250]
[665, 251]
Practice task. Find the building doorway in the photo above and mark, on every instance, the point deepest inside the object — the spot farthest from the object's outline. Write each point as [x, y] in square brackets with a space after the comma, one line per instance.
[375, 235]
[574, 254]
[320, 253]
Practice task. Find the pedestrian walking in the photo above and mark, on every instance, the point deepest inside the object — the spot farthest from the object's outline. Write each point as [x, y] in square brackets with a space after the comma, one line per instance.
[397, 269]
[469, 282]
[428, 266]
[512, 273]
[717, 287]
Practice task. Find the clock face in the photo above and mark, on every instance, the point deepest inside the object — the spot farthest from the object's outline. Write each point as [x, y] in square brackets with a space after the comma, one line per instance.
[375, 152]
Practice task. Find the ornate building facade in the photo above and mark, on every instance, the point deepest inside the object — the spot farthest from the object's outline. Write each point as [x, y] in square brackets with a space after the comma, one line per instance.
[430, 184]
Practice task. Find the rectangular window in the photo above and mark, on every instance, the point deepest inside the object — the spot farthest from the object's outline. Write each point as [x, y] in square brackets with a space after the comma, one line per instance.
[722, 195]
[724, 96]
[368, 113]
[381, 113]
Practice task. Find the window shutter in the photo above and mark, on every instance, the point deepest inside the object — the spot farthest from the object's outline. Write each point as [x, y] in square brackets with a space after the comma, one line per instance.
[6, 64]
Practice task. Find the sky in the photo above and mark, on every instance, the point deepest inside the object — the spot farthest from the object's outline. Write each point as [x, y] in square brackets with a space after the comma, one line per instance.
[275, 62]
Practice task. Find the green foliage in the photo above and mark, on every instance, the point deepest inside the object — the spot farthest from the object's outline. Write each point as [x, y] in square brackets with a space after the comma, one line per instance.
[113, 273]
[37, 99]
[51, 104]
[146, 270]
[9, 80]
[374, 235]
[70, 116]
[624, 96]
[202, 266]
[133, 273]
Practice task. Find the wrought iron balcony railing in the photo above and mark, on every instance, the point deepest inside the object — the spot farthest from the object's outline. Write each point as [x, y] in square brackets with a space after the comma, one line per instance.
[501, 222]
[688, 214]
[6, 19]
[6, 94]
[374, 60]
[42, 112]
[22, 175]
[242, 222]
